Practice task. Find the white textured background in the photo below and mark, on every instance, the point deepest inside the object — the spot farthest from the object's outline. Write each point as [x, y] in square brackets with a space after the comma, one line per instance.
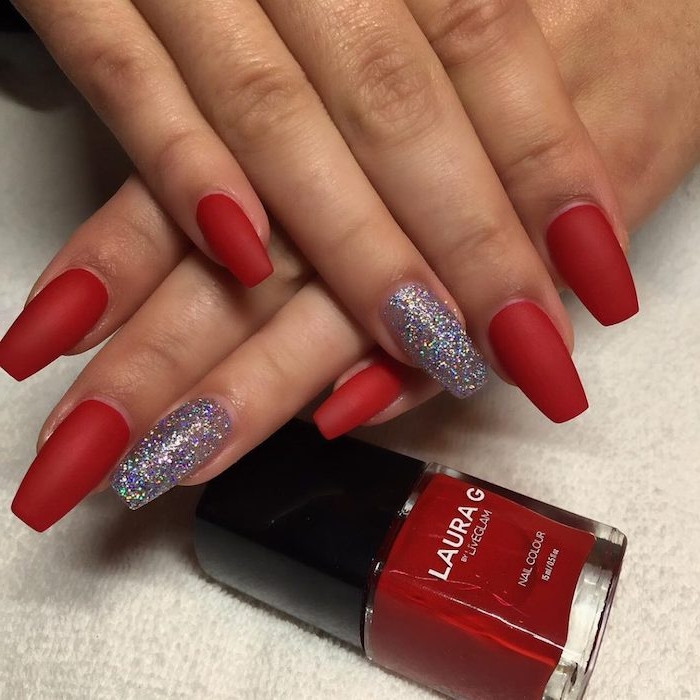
[110, 604]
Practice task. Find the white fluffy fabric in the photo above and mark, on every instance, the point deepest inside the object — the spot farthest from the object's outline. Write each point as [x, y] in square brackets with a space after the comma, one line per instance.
[111, 604]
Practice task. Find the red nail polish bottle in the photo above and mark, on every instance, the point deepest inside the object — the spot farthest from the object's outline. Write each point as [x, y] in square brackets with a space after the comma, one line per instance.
[455, 583]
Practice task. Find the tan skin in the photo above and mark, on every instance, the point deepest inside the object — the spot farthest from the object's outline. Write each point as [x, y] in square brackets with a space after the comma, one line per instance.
[633, 73]
[641, 112]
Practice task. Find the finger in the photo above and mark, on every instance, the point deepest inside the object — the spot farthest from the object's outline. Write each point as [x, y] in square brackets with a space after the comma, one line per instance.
[508, 81]
[393, 102]
[245, 398]
[97, 280]
[133, 85]
[272, 119]
[191, 322]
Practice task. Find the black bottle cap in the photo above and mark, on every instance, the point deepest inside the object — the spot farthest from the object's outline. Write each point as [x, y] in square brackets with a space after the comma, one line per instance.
[298, 522]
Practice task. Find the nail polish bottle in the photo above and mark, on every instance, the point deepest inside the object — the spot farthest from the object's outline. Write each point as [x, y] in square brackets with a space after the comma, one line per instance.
[446, 579]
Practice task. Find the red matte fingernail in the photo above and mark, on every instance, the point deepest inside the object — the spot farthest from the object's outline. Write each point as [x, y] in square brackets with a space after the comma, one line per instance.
[233, 239]
[71, 463]
[53, 322]
[588, 256]
[364, 395]
[529, 347]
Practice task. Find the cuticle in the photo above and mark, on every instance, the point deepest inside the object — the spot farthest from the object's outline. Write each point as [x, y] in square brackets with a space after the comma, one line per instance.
[574, 204]
[235, 198]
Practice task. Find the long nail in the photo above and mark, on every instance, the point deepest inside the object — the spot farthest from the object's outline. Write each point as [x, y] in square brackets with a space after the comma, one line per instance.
[53, 322]
[175, 447]
[233, 239]
[532, 351]
[588, 256]
[71, 463]
[433, 338]
[360, 398]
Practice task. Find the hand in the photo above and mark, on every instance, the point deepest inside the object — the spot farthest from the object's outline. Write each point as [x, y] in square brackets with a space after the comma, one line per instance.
[650, 91]
[350, 127]
[145, 375]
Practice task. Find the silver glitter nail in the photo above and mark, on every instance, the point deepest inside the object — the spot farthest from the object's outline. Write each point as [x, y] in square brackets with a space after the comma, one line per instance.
[433, 338]
[175, 446]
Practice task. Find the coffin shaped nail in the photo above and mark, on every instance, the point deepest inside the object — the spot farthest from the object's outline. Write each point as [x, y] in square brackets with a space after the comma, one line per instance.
[174, 448]
[360, 398]
[586, 252]
[433, 338]
[233, 239]
[534, 354]
[53, 322]
[71, 463]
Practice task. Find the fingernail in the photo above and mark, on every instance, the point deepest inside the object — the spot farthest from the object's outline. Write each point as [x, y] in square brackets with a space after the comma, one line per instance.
[175, 447]
[588, 256]
[360, 398]
[71, 463]
[434, 340]
[53, 322]
[233, 239]
[532, 351]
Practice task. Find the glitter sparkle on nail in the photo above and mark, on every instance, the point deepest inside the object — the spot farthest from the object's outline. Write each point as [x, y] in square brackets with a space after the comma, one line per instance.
[433, 338]
[175, 447]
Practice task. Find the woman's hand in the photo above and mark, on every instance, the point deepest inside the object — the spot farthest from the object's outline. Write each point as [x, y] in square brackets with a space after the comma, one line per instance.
[352, 131]
[196, 318]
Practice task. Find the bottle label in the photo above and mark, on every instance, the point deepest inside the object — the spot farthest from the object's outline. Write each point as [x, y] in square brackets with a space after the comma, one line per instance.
[475, 595]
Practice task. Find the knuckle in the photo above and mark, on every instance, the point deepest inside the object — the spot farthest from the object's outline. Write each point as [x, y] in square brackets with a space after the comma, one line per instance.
[348, 238]
[463, 29]
[552, 151]
[272, 367]
[171, 346]
[133, 235]
[157, 353]
[151, 229]
[486, 240]
[392, 94]
[264, 98]
[629, 163]
[175, 151]
[117, 74]
[122, 232]
[292, 270]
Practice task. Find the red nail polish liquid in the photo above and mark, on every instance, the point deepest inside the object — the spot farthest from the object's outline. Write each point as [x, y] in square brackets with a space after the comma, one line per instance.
[455, 583]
